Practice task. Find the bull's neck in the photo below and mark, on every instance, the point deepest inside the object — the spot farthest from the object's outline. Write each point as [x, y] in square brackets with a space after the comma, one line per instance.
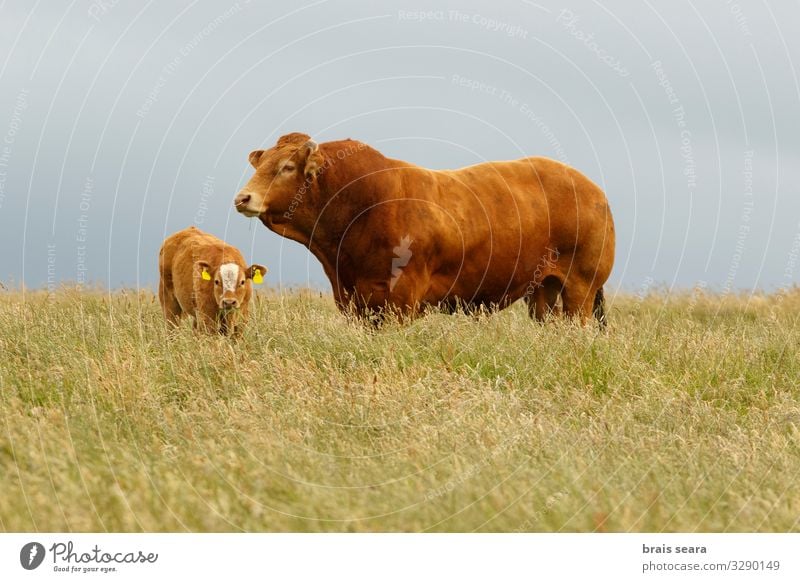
[348, 183]
[351, 180]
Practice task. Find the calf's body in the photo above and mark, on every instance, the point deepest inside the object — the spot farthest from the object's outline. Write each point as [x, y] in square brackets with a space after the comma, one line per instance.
[206, 278]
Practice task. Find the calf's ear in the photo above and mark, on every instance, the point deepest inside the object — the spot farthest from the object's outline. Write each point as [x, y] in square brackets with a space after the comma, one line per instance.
[255, 157]
[202, 270]
[256, 272]
[313, 158]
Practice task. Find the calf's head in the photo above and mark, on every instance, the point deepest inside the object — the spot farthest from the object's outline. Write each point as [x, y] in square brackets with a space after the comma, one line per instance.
[284, 174]
[229, 282]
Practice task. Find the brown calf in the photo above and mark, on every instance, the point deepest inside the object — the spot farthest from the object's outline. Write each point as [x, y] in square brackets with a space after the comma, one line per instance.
[206, 278]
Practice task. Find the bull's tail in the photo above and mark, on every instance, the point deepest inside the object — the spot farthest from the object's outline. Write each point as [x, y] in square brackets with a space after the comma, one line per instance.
[599, 309]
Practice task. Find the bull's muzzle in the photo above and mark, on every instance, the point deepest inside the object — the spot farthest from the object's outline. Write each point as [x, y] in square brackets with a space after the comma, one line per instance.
[244, 204]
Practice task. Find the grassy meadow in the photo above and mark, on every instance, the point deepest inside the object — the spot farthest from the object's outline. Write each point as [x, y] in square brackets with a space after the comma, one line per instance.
[683, 416]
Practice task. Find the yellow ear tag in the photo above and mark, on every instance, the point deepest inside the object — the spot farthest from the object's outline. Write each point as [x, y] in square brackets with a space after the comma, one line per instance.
[205, 276]
[257, 278]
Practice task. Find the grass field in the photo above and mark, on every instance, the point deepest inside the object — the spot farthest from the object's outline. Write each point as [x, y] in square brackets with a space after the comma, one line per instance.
[684, 416]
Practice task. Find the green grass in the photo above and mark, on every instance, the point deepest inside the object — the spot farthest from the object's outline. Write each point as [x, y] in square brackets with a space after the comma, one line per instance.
[685, 415]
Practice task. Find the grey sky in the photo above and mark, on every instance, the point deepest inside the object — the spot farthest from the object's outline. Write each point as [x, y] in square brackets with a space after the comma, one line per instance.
[120, 123]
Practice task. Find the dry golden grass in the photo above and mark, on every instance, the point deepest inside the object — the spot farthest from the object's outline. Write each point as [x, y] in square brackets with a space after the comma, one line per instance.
[685, 415]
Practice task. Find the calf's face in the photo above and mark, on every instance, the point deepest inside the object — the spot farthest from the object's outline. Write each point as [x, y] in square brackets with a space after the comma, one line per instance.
[228, 282]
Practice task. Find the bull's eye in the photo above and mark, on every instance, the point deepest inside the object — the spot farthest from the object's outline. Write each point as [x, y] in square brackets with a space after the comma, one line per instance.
[288, 168]
[216, 282]
[242, 283]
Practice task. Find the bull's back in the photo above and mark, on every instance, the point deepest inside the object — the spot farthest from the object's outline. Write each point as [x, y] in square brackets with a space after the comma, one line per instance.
[509, 217]
[522, 200]
[535, 183]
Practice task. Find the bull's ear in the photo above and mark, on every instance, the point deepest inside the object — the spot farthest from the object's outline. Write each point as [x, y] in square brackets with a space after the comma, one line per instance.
[202, 270]
[256, 272]
[313, 159]
[255, 157]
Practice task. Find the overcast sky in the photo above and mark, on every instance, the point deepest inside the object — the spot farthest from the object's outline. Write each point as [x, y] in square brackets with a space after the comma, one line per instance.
[121, 121]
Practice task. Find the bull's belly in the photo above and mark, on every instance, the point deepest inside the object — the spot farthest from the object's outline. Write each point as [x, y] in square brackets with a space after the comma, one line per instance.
[501, 279]
[492, 291]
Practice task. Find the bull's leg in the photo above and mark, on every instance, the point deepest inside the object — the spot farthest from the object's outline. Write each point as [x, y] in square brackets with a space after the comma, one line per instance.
[599, 308]
[578, 298]
[543, 303]
[405, 300]
[169, 304]
[376, 300]
[354, 303]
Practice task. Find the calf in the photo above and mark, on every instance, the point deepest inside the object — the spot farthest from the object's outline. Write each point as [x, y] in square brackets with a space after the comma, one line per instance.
[206, 278]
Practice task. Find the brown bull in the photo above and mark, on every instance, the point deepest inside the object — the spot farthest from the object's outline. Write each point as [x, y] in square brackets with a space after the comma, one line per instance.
[392, 234]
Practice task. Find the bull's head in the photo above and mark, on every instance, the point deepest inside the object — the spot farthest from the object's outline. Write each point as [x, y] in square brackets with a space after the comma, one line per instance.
[229, 281]
[284, 175]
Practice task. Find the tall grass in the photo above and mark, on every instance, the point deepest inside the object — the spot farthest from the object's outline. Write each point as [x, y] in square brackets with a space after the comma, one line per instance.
[684, 415]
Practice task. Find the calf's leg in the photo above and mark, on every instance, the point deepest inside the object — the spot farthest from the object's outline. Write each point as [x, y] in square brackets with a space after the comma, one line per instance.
[169, 304]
